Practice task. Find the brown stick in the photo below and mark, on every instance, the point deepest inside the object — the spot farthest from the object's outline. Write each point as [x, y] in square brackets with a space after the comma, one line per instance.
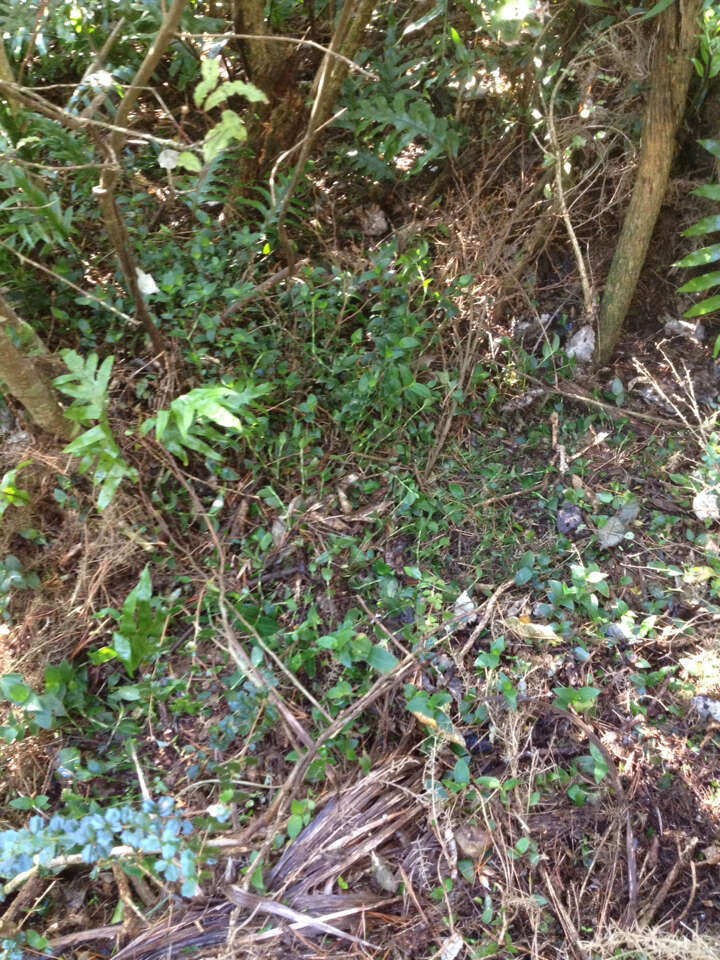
[572, 936]
[616, 413]
[258, 291]
[648, 913]
[674, 42]
[111, 147]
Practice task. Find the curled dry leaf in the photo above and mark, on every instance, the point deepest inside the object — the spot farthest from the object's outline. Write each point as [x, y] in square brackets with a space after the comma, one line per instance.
[278, 532]
[712, 853]
[706, 708]
[445, 729]
[616, 527]
[168, 159]
[384, 875]
[472, 841]
[523, 401]
[464, 610]
[146, 283]
[569, 518]
[686, 329]
[451, 947]
[581, 345]
[344, 501]
[373, 221]
[532, 631]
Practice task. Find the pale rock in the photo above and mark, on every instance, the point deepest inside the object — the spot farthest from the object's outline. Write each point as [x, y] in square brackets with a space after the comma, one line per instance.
[146, 283]
[581, 345]
[705, 505]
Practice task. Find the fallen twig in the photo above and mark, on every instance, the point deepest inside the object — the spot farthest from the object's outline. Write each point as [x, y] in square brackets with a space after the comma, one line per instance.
[489, 604]
[648, 913]
[250, 901]
[259, 290]
[571, 934]
[616, 413]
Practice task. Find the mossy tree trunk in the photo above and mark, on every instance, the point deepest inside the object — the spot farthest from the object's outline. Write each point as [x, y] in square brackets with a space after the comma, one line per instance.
[25, 380]
[281, 123]
[675, 42]
[271, 65]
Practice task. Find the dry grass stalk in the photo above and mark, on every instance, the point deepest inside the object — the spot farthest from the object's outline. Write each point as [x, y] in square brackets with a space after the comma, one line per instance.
[653, 944]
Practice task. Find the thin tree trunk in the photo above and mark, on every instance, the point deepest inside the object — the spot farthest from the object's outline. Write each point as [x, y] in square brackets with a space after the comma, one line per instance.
[676, 40]
[278, 125]
[347, 40]
[26, 381]
[264, 59]
[6, 73]
[112, 146]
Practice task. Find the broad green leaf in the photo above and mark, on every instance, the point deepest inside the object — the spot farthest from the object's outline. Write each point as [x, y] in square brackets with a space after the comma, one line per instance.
[103, 655]
[658, 8]
[14, 689]
[706, 225]
[225, 90]
[210, 75]
[419, 703]
[711, 191]
[704, 307]
[488, 783]
[381, 659]
[161, 423]
[600, 768]
[143, 590]
[189, 161]
[73, 361]
[712, 146]
[222, 134]
[294, 826]
[129, 692]
[87, 439]
[703, 282]
[461, 772]
[103, 377]
[107, 491]
[123, 649]
[220, 415]
[10, 495]
[700, 257]
[184, 411]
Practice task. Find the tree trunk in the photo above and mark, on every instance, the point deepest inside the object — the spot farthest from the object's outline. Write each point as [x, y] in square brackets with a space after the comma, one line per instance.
[670, 71]
[26, 381]
[264, 59]
[274, 126]
[112, 146]
[279, 124]
[346, 41]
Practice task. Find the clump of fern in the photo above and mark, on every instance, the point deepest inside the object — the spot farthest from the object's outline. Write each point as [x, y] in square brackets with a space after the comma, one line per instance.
[705, 255]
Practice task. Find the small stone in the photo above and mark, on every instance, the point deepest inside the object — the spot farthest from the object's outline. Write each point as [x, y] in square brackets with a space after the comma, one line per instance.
[705, 505]
[569, 518]
[472, 841]
[581, 345]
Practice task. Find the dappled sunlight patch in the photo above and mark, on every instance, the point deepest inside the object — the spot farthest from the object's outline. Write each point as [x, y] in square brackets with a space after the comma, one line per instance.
[703, 668]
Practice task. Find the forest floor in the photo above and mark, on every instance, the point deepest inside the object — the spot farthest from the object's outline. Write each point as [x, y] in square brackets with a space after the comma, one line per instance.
[470, 583]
